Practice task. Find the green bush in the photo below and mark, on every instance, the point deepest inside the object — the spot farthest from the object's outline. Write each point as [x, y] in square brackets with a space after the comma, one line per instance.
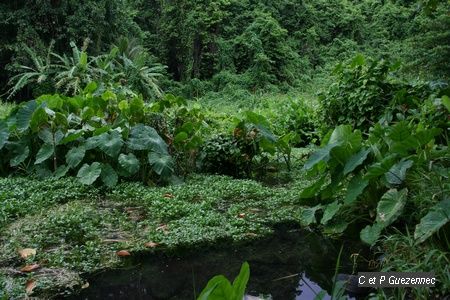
[97, 136]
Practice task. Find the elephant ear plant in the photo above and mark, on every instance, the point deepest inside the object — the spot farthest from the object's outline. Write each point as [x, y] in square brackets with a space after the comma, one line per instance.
[97, 136]
[367, 177]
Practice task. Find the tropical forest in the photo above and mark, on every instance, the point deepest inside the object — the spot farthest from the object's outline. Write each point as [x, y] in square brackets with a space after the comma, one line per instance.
[224, 149]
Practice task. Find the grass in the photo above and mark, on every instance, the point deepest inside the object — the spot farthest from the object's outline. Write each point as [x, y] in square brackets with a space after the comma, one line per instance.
[75, 230]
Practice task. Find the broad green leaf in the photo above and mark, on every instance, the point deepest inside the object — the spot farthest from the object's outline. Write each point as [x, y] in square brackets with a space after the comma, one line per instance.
[72, 135]
[313, 189]
[44, 153]
[355, 188]
[109, 175]
[218, 288]
[75, 156]
[240, 282]
[446, 102]
[38, 118]
[308, 215]
[370, 234]
[390, 206]
[426, 136]
[24, 114]
[123, 105]
[180, 137]
[396, 175]
[330, 211]
[88, 174]
[111, 143]
[21, 152]
[380, 168]
[4, 134]
[356, 160]
[322, 154]
[400, 131]
[129, 163]
[438, 216]
[52, 101]
[161, 163]
[46, 136]
[61, 171]
[146, 138]
[91, 86]
[335, 227]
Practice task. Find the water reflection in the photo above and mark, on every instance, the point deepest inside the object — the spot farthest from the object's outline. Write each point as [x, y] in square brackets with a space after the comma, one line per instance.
[291, 265]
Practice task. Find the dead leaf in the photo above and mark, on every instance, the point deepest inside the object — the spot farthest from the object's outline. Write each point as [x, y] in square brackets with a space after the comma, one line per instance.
[30, 268]
[123, 253]
[27, 252]
[151, 245]
[168, 195]
[30, 285]
[85, 286]
[242, 215]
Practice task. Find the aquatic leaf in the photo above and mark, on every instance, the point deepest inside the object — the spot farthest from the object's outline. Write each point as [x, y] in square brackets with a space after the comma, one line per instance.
[240, 282]
[330, 211]
[129, 163]
[356, 160]
[218, 288]
[27, 252]
[370, 234]
[88, 174]
[437, 217]
[390, 206]
[396, 175]
[44, 153]
[75, 156]
[355, 188]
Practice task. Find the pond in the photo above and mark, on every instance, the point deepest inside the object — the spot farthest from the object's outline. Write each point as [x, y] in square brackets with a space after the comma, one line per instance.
[292, 264]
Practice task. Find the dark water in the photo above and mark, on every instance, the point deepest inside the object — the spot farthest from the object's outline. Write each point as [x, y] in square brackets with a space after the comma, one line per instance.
[291, 265]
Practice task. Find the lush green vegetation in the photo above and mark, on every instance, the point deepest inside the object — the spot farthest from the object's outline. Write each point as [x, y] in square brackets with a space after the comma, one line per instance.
[131, 126]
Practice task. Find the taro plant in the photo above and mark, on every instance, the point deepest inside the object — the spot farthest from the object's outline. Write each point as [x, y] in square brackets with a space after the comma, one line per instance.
[97, 136]
[367, 177]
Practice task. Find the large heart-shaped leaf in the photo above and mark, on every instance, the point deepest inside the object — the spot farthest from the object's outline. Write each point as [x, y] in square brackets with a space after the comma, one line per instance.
[24, 114]
[75, 156]
[396, 175]
[44, 153]
[110, 143]
[308, 215]
[129, 163]
[437, 217]
[109, 175]
[322, 154]
[21, 153]
[88, 174]
[161, 163]
[355, 188]
[146, 138]
[356, 160]
[370, 234]
[391, 206]
[330, 211]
